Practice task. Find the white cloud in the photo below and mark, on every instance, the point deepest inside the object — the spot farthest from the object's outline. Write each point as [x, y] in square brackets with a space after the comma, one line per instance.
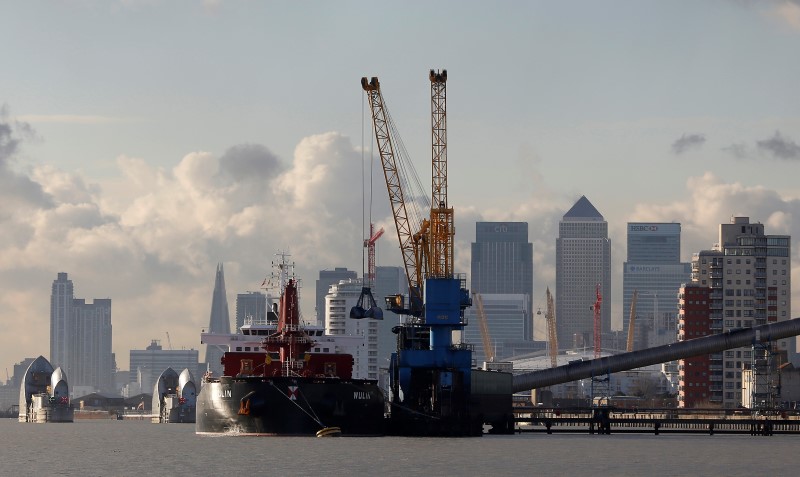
[151, 238]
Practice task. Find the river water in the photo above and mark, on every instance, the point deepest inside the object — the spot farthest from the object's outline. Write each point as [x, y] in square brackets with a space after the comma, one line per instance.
[130, 448]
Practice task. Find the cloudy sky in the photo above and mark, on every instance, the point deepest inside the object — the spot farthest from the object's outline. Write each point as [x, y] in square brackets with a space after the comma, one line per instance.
[144, 141]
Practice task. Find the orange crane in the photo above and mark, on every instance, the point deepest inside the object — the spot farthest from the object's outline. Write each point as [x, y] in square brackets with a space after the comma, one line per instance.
[488, 350]
[552, 336]
[442, 230]
[598, 345]
[632, 322]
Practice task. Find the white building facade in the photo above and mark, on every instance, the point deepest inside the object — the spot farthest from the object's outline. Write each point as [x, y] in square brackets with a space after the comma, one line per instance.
[340, 298]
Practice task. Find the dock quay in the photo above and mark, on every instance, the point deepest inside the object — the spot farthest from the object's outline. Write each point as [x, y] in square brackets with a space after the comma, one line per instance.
[602, 420]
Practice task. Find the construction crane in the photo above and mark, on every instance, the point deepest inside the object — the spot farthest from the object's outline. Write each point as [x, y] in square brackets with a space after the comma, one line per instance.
[488, 350]
[366, 306]
[632, 322]
[598, 345]
[169, 341]
[552, 336]
[369, 244]
[412, 245]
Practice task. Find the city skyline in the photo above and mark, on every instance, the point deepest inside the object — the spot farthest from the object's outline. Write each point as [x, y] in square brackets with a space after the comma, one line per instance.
[153, 140]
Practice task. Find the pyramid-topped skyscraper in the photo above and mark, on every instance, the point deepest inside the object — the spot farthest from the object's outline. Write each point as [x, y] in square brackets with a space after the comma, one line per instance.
[219, 322]
[583, 260]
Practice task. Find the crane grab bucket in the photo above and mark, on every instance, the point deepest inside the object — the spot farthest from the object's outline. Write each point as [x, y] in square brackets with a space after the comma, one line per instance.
[366, 306]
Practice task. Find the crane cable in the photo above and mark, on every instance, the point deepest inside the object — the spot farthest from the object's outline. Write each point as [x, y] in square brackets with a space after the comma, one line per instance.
[409, 177]
[364, 212]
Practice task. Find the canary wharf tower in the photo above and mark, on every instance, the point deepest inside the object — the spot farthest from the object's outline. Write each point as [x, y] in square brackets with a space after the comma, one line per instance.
[583, 260]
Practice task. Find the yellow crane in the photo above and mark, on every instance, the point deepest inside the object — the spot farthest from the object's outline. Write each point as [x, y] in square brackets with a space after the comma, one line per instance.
[412, 245]
[428, 252]
[552, 336]
[488, 350]
[632, 321]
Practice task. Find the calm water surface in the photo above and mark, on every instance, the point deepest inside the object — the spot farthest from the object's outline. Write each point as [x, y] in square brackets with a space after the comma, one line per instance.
[123, 448]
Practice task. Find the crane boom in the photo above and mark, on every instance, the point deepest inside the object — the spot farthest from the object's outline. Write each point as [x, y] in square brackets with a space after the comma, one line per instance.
[598, 345]
[632, 322]
[552, 336]
[488, 350]
[408, 246]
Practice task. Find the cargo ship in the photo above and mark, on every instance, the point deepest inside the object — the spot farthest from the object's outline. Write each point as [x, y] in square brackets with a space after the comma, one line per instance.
[279, 380]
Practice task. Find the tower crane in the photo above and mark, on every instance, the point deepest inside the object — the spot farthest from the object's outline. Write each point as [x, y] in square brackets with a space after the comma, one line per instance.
[632, 322]
[598, 345]
[552, 336]
[366, 306]
[369, 244]
[169, 341]
[488, 350]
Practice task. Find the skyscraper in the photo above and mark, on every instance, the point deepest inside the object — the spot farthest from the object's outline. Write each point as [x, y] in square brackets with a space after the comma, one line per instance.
[654, 270]
[80, 338]
[251, 307]
[749, 274]
[219, 321]
[502, 272]
[583, 261]
[90, 361]
[60, 312]
[506, 319]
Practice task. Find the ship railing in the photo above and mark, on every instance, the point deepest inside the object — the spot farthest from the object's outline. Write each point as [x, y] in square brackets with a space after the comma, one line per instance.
[283, 339]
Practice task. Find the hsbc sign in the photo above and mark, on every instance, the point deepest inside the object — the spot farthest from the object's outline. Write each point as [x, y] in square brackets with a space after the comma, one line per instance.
[667, 228]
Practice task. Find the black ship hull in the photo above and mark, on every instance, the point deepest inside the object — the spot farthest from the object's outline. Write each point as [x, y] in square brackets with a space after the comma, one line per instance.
[289, 406]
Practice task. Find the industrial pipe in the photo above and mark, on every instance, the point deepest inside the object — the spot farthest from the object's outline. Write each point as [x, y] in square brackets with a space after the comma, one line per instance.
[660, 354]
